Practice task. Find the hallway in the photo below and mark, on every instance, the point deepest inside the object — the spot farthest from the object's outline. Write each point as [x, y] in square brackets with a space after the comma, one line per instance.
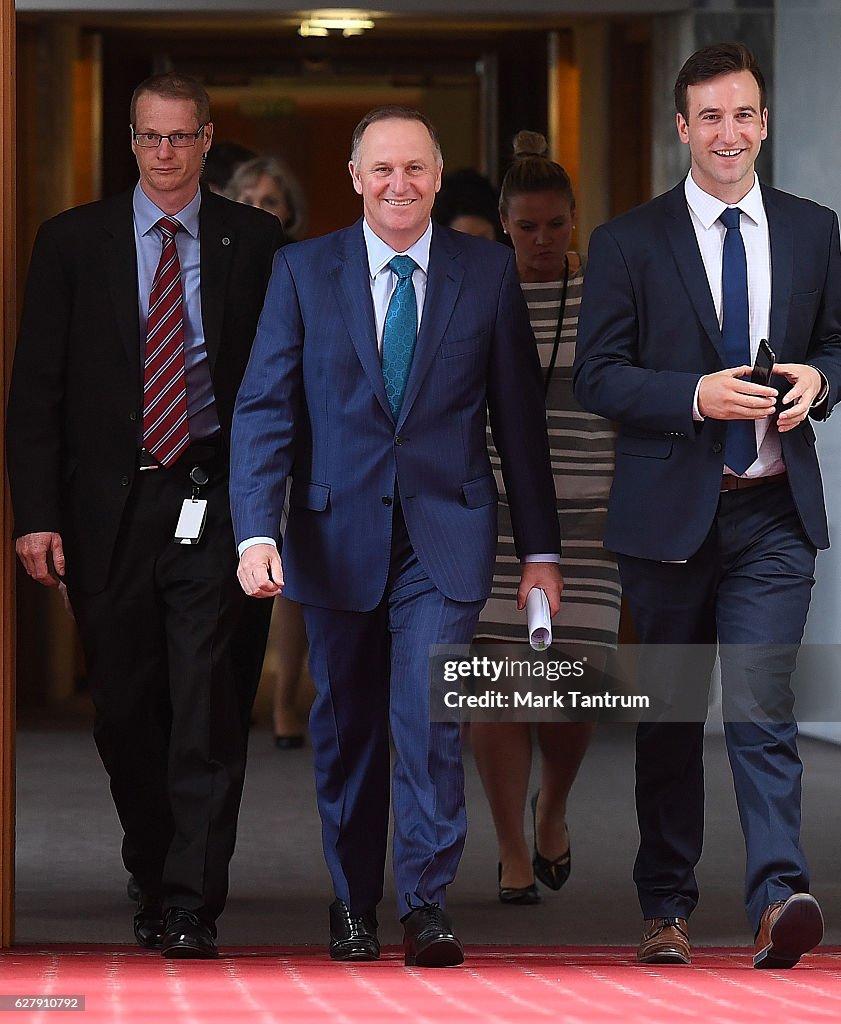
[71, 885]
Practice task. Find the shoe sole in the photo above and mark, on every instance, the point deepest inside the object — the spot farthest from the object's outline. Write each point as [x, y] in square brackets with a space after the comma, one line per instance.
[671, 956]
[188, 953]
[798, 929]
[443, 953]
[355, 955]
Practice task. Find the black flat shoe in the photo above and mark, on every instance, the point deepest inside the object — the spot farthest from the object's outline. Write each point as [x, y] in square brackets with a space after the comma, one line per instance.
[527, 896]
[293, 742]
[552, 873]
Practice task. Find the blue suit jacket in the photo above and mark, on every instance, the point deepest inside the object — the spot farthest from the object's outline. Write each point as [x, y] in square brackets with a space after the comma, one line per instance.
[313, 404]
[648, 331]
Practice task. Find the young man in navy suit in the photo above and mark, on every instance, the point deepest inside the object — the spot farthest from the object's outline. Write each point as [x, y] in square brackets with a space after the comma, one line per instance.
[381, 350]
[717, 510]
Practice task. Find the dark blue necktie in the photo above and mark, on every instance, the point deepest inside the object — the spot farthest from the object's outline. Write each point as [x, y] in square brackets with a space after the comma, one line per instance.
[740, 444]
[400, 332]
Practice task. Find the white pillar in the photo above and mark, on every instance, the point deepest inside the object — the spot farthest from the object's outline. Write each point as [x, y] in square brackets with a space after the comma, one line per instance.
[806, 139]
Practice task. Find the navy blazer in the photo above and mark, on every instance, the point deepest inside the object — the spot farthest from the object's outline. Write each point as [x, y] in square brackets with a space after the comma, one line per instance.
[648, 331]
[313, 404]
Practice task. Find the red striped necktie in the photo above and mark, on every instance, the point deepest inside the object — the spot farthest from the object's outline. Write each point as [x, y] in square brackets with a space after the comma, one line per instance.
[166, 430]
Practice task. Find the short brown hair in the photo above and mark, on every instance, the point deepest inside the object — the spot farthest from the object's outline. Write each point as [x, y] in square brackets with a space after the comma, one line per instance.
[172, 86]
[393, 112]
[533, 171]
[715, 60]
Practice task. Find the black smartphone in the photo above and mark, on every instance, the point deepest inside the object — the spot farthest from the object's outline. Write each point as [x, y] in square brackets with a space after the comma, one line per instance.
[765, 358]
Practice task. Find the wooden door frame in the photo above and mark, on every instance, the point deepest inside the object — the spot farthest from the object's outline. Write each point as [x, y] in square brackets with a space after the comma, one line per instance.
[7, 568]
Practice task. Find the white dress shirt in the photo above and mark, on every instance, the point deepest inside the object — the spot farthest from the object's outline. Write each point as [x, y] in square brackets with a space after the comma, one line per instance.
[704, 211]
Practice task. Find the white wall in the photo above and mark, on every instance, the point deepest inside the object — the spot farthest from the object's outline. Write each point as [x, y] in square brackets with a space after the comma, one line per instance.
[806, 132]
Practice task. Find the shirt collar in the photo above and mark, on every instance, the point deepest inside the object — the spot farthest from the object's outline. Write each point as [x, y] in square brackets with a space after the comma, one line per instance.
[147, 215]
[708, 209]
[380, 253]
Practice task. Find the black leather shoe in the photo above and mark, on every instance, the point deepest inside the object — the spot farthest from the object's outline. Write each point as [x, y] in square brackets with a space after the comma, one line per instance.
[187, 937]
[526, 896]
[148, 922]
[553, 873]
[429, 940]
[352, 938]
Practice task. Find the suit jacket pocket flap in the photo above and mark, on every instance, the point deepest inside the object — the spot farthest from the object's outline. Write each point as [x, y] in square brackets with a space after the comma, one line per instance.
[649, 447]
[479, 492]
[308, 494]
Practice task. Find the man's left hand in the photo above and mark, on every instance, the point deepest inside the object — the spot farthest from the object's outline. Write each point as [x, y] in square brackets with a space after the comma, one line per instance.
[547, 576]
[807, 385]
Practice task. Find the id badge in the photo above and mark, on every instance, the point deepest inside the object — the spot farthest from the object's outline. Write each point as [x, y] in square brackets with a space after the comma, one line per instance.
[191, 521]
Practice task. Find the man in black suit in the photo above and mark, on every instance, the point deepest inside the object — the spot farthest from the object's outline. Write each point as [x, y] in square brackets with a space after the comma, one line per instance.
[717, 508]
[137, 325]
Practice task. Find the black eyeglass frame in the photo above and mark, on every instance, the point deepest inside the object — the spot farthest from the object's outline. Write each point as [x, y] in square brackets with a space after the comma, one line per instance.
[175, 145]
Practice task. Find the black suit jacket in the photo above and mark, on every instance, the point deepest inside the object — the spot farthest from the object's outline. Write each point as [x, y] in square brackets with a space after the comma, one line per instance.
[75, 403]
[647, 332]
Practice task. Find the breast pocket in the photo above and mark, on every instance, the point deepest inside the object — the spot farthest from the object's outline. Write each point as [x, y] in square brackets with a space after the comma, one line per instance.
[459, 347]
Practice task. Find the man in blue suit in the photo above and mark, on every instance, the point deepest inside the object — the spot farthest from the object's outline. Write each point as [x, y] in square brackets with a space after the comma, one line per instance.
[717, 508]
[381, 351]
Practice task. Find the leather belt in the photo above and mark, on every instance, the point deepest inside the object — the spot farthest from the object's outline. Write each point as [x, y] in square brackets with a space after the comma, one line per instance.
[204, 450]
[740, 483]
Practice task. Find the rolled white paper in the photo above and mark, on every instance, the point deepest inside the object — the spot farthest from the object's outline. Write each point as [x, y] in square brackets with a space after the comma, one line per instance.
[539, 619]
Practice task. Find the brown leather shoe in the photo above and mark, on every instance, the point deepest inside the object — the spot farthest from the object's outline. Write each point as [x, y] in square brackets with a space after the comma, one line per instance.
[665, 940]
[788, 929]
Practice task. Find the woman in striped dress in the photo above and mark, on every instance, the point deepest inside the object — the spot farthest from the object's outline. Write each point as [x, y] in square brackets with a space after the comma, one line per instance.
[537, 208]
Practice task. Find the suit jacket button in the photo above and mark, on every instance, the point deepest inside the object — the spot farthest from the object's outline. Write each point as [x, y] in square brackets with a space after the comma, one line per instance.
[386, 501]
[124, 481]
[132, 416]
[718, 447]
[399, 440]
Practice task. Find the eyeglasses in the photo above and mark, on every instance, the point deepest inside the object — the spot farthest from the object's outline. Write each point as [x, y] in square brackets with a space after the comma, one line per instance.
[180, 140]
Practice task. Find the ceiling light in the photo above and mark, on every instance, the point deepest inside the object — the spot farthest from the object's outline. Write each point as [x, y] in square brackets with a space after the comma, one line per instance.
[321, 23]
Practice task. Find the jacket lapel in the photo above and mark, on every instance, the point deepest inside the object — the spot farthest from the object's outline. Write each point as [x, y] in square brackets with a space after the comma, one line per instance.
[781, 240]
[690, 265]
[216, 247]
[120, 256]
[351, 281]
[443, 284]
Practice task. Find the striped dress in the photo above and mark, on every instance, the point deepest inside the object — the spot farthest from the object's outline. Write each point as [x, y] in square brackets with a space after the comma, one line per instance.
[582, 462]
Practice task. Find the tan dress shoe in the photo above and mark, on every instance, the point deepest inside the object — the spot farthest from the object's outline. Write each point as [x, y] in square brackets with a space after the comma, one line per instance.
[665, 940]
[788, 929]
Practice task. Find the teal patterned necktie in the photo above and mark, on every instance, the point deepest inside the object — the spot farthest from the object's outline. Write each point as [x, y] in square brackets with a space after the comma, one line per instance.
[400, 332]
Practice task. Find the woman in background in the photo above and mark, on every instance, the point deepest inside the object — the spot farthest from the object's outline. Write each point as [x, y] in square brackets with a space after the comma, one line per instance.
[537, 210]
[266, 182]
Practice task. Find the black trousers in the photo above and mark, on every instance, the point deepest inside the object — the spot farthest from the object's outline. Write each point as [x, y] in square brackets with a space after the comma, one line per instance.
[170, 704]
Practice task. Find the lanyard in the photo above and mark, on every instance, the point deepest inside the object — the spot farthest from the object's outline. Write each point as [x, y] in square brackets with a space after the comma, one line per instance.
[551, 368]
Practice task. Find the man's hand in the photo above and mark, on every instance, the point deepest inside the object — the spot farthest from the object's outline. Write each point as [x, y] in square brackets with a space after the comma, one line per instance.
[42, 555]
[260, 572]
[723, 396]
[547, 576]
[808, 384]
